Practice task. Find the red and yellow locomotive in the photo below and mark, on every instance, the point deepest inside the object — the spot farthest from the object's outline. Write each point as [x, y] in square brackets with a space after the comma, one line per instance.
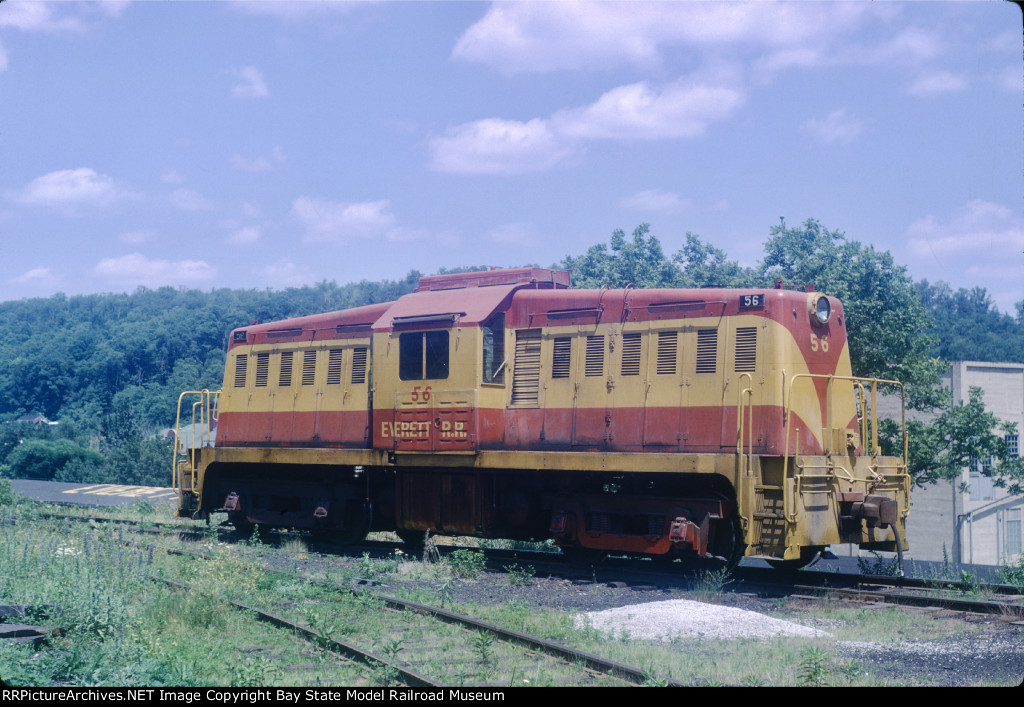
[693, 423]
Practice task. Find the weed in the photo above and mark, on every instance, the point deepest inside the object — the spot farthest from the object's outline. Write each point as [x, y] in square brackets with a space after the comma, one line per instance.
[709, 584]
[1013, 574]
[257, 671]
[482, 642]
[446, 591]
[519, 576]
[467, 564]
[968, 583]
[392, 648]
[814, 667]
[879, 566]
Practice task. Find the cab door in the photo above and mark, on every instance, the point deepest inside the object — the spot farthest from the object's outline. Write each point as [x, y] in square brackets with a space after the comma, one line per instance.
[433, 409]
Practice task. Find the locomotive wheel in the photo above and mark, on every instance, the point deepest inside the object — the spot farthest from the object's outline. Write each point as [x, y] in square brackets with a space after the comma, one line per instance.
[807, 556]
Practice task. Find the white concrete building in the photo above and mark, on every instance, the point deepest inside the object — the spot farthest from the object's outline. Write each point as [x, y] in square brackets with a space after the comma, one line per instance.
[972, 521]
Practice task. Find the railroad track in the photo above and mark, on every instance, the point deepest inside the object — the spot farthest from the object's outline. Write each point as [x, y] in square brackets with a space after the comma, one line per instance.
[957, 595]
[407, 637]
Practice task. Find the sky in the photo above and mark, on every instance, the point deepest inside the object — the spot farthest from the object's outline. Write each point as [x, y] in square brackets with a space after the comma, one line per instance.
[266, 145]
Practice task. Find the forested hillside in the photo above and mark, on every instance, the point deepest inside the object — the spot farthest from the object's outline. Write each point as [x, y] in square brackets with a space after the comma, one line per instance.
[109, 367]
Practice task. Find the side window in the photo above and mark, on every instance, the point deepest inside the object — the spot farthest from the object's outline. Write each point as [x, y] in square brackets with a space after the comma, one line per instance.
[494, 349]
[423, 355]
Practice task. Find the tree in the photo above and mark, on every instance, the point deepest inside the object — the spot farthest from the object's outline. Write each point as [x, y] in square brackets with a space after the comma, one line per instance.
[639, 262]
[964, 436]
[885, 319]
[703, 265]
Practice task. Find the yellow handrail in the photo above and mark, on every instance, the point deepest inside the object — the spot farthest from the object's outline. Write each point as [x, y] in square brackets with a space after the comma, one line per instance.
[873, 449]
[204, 418]
[747, 422]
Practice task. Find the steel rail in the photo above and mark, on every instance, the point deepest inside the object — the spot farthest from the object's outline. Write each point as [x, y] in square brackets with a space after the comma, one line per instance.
[978, 606]
[410, 677]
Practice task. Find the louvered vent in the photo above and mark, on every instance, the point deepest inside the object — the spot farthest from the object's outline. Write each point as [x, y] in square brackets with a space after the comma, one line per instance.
[594, 365]
[334, 367]
[667, 345]
[631, 354]
[562, 357]
[309, 367]
[526, 374]
[285, 379]
[262, 369]
[746, 349]
[707, 350]
[359, 365]
[241, 368]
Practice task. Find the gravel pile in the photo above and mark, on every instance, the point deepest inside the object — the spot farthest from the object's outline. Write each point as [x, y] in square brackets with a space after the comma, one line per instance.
[680, 618]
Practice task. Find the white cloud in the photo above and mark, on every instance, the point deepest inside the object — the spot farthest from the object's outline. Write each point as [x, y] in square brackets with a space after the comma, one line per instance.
[633, 112]
[836, 127]
[258, 163]
[243, 236]
[39, 17]
[284, 273]
[979, 243]
[518, 234]
[137, 269]
[71, 187]
[977, 225]
[137, 237]
[654, 200]
[252, 85]
[549, 36]
[495, 146]
[642, 112]
[38, 277]
[937, 83]
[189, 200]
[334, 221]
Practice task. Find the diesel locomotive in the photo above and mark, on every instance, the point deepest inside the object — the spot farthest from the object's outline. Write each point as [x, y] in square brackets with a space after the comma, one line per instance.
[692, 423]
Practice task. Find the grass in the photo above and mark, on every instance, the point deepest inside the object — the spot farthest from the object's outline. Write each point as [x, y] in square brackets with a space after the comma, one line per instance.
[122, 628]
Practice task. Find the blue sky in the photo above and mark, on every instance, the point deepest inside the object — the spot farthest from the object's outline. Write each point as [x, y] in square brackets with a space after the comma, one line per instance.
[256, 144]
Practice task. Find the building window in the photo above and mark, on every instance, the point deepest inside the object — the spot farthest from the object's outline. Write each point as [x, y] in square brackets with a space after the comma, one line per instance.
[423, 355]
[1013, 532]
[982, 488]
[1013, 442]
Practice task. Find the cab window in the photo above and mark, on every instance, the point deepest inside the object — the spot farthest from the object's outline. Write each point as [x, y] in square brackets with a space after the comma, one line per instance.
[423, 355]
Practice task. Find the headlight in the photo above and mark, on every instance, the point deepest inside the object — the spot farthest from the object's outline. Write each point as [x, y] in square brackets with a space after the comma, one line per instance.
[821, 310]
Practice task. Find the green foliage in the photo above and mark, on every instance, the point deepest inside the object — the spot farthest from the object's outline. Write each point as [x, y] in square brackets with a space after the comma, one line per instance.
[704, 265]
[519, 575]
[6, 493]
[960, 437]
[885, 319]
[1013, 574]
[70, 357]
[879, 566]
[467, 563]
[640, 262]
[48, 459]
[814, 667]
[968, 327]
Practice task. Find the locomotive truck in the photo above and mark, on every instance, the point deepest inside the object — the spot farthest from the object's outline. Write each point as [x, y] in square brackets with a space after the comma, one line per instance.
[691, 423]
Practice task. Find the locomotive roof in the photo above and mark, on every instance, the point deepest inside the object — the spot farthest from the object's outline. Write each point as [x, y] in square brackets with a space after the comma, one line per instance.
[531, 296]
